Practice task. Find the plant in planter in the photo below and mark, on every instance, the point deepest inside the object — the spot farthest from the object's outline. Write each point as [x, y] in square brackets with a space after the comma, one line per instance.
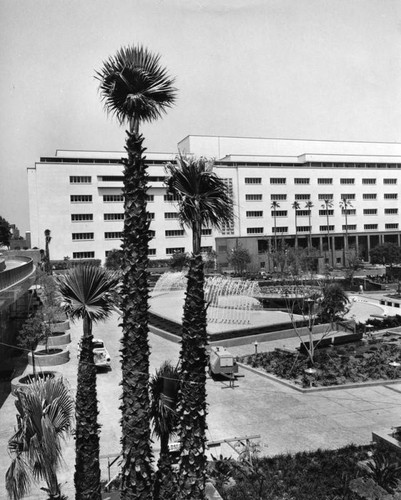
[33, 331]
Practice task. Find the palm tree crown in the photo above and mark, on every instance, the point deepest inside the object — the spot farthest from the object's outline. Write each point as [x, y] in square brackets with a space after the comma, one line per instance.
[203, 197]
[134, 87]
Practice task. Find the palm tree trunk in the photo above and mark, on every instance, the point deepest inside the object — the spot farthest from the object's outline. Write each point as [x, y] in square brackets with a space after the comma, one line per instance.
[137, 454]
[87, 469]
[296, 230]
[192, 399]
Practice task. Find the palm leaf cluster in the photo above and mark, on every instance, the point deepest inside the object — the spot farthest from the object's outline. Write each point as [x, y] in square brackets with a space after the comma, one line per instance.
[45, 416]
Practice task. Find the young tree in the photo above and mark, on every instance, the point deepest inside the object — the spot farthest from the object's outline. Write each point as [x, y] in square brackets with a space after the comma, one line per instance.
[333, 304]
[5, 232]
[239, 258]
[87, 294]
[114, 260]
[178, 261]
[203, 201]
[135, 89]
[387, 253]
[33, 331]
[45, 416]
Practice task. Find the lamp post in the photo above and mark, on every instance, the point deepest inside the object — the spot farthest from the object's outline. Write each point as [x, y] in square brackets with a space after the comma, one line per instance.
[48, 238]
[256, 347]
[395, 365]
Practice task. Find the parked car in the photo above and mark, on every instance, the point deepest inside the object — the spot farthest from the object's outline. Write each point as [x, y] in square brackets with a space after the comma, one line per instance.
[101, 355]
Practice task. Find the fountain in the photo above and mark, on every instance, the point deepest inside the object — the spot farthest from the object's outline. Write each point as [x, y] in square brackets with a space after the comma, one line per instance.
[170, 282]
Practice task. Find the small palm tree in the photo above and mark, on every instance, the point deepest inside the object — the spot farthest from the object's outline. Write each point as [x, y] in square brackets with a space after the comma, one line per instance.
[164, 397]
[327, 205]
[275, 205]
[296, 206]
[345, 204]
[135, 89]
[333, 304]
[203, 201]
[45, 416]
[309, 206]
[87, 294]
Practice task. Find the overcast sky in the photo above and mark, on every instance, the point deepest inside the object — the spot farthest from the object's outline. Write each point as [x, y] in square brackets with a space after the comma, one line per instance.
[303, 69]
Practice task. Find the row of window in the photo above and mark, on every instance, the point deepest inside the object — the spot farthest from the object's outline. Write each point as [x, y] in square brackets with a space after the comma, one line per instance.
[305, 213]
[116, 198]
[87, 179]
[322, 196]
[307, 229]
[321, 180]
[117, 235]
[151, 251]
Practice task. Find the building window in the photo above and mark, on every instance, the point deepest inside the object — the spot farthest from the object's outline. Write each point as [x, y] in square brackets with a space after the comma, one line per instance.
[303, 229]
[152, 233]
[171, 251]
[391, 211]
[279, 213]
[228, 227]
[82, 236]
[151, 251]
[111, 217]
[391, 226]
[151, 215]
[282, 229]
[83, 255]
[278, 180]
[206, 232]
[350, 196]
[172, 197]
[390, 196]
[389, 181]
[347, 181]
[302, 213]
[325, 196]
[174, 233]
[255, 213]
[113, 235]
[278, 197]
[324, 228]
[348, 211]
[171, 215]
[370, 227]
[113, 198]
[326, 212]
[81, 198]
[369, 196]
[370, 211]
[206, 249]
[80, 179]
[302, 197]
[254, 230]
[369, 181]
[150, 198]
[350, 227]
[253, 180]
[81, 217]
[111, 178]
[301, 180]
[253, 197]
[325, 181]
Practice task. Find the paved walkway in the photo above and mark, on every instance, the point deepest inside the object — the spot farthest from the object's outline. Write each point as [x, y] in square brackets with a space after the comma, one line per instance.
[287, 421]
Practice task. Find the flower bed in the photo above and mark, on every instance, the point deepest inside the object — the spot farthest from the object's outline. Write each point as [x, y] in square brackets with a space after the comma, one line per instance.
[336, 365]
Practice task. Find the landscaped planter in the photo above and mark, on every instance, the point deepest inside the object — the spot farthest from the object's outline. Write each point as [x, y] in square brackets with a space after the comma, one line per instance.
[58, 356]
[23, 381]
[59, 338]
[60, 326]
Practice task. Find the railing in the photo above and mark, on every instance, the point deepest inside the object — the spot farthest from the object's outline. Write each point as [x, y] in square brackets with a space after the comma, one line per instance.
[9, 277]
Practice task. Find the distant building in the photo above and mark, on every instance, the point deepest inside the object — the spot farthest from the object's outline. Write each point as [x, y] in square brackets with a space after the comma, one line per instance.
[77, 195]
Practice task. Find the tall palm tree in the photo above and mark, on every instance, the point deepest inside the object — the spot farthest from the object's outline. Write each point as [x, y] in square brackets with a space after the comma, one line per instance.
[327, 205]
[345, 204]
[296, 206]
[87, 295]
[45, 417]
[135, 89]
[203, 201]
[163, 409]
[275, 205]
[309, 206]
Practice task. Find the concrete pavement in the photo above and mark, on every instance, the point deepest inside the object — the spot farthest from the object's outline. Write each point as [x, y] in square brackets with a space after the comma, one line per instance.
[287, 421]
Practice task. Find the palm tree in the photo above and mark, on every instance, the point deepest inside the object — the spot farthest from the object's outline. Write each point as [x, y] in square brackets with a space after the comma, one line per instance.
[296, 206]
[345, 204]
[87, 294]
[164, 397]
[135, 89]
[203, 201]
[327, 204]
[333, 304]
[45, 416]
[309, 206]
[275, 205]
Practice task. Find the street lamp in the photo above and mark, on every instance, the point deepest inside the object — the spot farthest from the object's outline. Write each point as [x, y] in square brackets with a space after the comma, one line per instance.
[395, 365]
[256, 347]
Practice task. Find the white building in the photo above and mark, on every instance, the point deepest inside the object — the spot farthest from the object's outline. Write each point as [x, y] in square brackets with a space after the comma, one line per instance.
[77, 195]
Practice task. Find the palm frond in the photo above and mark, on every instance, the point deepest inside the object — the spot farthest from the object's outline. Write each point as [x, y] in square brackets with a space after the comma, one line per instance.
[133, 85]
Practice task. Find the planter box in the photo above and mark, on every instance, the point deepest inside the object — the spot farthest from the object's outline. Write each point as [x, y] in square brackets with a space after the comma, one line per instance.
[52, 359]
[60, 326]
[386, 438]
[57, 340]
[17, 382]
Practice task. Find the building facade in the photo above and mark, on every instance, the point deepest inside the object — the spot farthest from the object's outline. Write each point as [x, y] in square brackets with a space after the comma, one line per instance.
[308, 191]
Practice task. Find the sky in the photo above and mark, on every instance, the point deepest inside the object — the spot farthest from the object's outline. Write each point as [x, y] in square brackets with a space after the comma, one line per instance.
[300, 69]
